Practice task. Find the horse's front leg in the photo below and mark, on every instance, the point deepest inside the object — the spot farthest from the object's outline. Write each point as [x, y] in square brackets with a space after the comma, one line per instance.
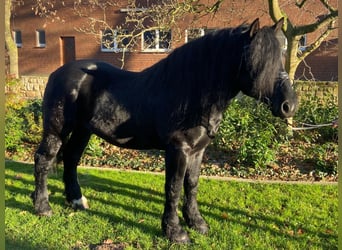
[191, 212]
[175, 163]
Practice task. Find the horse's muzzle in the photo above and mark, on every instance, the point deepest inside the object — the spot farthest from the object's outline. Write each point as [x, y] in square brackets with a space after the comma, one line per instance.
[287, 109]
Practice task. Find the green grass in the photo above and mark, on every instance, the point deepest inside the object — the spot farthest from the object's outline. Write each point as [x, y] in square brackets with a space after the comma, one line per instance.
[126, 208]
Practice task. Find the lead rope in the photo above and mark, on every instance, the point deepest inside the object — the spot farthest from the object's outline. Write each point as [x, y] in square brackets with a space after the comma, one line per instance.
[307, 126]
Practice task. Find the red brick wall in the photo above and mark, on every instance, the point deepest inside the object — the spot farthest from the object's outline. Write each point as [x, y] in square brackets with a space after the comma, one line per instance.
[42, 61]
[320, 65]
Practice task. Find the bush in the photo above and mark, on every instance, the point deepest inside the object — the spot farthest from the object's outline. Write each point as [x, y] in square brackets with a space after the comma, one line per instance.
[250, 130]
[23, 125]
[314, 110]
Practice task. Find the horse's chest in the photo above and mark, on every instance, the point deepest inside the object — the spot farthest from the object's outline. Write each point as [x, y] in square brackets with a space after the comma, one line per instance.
[212, 121]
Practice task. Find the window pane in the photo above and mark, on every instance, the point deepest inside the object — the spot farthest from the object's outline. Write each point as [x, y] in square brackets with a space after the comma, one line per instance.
[150, 39]
[192, 34]
[302, 43]
[17, 38]
[209, 30]
[40, 38]
[164, 40]
[107, 42]
[121, 39]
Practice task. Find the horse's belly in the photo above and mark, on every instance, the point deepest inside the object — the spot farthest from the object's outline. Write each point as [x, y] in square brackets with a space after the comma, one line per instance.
[123, 126]
[134, 142]
[127, 135]
[138, 143]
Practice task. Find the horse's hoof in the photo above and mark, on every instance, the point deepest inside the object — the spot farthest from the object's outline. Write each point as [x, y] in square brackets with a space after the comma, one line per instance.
[177, 235]
[41, 206]
[181, 237]
[202, 228]
[80, 204]
[43, 209]
[197, 223]
[47, 213]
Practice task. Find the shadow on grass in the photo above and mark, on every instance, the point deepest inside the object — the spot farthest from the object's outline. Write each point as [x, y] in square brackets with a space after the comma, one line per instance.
[18, 183]
[125, 197]
[20, 245]
[259, 222]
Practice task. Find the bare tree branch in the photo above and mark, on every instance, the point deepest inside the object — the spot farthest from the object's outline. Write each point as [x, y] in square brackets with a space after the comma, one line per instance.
[326, 20]
[300, 4]
[293, 33]
[314, 45]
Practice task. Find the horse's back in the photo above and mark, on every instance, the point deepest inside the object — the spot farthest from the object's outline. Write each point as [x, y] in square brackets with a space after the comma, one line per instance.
[102, 98]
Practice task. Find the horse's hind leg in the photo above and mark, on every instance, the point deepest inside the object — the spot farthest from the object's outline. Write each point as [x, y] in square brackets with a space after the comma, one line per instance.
[71, 155]
[44, 159]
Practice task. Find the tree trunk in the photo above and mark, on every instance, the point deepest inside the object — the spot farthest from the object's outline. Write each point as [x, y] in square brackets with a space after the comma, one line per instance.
[10, 44]
[292, 61]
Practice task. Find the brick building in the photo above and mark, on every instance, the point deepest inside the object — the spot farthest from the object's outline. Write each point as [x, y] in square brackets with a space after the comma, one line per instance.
[44, 43]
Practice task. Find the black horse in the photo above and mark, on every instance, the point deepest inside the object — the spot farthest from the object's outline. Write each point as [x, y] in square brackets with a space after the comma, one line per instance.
[175, 105]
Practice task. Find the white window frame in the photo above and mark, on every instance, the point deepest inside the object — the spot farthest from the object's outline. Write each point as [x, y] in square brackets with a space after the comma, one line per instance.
[40, 38]
[116, 45]
[17, 38]
[157, 42]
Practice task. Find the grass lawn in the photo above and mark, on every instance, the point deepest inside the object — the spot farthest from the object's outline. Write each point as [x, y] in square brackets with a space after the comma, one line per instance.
[126, 208]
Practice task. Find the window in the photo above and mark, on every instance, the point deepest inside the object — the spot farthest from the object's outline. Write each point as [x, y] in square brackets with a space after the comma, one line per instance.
[156, 41]
[192, 34]
[209, 30]
[17, 38]
[114, 40]
[40, 39]
[302, 43]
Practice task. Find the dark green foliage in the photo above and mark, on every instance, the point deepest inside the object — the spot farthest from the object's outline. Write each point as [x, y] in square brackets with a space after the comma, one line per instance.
[23, 125]
[250, 130]
[321, 144]
[314, 110]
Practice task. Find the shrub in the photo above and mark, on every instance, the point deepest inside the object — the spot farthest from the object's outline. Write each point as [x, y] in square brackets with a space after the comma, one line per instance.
[250, 130]
[315, 110]
[23, 124]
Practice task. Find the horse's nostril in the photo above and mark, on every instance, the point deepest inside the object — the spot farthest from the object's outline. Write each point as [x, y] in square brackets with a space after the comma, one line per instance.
[285, 107]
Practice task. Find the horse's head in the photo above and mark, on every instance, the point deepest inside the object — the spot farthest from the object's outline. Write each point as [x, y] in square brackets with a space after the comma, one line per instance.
[264, 77]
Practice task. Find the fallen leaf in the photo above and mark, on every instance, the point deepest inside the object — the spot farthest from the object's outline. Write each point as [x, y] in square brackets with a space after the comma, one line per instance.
[290, 232]
[18, 176]
[300, 231]
[224, 216]
[108, 241]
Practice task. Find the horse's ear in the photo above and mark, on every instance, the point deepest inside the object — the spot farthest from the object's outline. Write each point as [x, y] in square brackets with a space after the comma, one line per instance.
[278, 25]
[254, 28]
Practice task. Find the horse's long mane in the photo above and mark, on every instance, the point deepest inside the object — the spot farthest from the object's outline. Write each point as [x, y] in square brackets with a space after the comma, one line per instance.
[206, 71]
[202, 64]
[264, 61]
[200, 73]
